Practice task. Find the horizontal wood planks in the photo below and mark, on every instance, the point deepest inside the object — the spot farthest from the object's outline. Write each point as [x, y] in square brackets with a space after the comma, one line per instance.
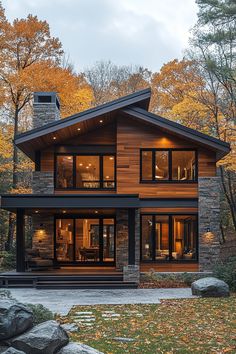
[131, 137]
[169, 267]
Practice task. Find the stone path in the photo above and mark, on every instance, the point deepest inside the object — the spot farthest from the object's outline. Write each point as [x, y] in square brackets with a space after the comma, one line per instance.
[61, 301]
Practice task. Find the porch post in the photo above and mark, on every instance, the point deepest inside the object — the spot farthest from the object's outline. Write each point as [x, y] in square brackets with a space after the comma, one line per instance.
[20, 240]
[131, 235]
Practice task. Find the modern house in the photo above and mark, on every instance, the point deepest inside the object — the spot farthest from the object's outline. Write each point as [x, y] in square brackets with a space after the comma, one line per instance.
[117, 186]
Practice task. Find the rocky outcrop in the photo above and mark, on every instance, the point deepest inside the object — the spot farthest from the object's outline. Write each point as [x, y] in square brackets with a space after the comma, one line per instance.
[12, 350]
[210, 287]
[47, 337]
[15, 318]
[78, 348]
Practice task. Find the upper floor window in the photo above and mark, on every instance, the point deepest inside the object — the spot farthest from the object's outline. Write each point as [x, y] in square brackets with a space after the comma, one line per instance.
[168, 165]
[85, 171]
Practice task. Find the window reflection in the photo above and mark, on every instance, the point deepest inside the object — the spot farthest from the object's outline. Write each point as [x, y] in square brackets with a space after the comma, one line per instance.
[147, 165]
[161, 165]
[183, 165]
[65, 171]
[108, 172]
[87, 172]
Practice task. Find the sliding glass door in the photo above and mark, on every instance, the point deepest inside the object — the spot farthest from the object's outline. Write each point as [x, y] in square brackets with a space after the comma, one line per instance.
[169, 237]
[85, 240]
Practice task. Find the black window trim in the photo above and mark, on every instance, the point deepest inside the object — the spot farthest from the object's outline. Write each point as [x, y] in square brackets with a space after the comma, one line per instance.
[101, 181]
[170, 215]
[170, 180]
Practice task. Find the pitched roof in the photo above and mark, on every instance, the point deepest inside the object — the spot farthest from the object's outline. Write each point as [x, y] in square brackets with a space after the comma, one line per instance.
[135, 105]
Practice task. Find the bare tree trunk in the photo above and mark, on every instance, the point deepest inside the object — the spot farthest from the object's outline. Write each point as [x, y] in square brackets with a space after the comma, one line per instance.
[226, 184]
[11, 220]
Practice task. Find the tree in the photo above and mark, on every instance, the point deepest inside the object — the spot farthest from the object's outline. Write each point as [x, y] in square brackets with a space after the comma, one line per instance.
[109, 81]
[30, 61]
[213, 48]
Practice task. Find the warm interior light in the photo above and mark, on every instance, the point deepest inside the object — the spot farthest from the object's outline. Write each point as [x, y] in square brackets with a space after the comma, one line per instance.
[81, 164]
[36, 211]
[96, 211]
[87, 167]
[107, 177]
[54, 138]
[90, 164]
[69, 157]
[111, 158]
[101, 121]
[78, 129]
[63, 211]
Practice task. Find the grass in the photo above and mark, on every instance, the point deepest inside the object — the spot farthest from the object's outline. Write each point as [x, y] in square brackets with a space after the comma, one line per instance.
[174, 326]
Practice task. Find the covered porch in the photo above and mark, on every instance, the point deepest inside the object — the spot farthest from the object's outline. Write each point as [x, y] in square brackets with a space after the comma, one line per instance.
[76, 231]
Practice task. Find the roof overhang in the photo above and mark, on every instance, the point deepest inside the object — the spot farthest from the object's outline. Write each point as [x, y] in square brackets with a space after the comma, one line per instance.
[40, 138]
[220, 147]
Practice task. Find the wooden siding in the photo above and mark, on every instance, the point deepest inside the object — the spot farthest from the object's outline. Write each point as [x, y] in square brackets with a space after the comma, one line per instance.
[131, 137]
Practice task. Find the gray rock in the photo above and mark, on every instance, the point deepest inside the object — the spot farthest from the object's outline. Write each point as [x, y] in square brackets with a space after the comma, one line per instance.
[124, 340]
[12, 350]
[70, 327]
[46, 338]
[210, 287]
[78, 348]
[15, 318]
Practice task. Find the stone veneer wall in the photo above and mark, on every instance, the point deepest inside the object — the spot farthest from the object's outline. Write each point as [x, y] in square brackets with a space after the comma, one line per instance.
[209, 218]
[45, 113]
[43, 235]
[43, 182]
[122, 238]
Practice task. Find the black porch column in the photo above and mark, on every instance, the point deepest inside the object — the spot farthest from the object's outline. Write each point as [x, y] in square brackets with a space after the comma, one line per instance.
[131, 232]
[20, 240]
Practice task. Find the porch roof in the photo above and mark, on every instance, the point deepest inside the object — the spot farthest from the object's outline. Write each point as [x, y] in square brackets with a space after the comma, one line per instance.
[12, 202]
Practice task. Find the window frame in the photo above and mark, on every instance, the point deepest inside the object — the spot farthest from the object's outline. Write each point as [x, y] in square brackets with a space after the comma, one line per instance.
[101, 181]
[169, 180]
[153, 238]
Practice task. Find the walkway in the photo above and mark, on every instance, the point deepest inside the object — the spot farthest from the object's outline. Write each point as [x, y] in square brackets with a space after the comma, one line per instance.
[61, 301]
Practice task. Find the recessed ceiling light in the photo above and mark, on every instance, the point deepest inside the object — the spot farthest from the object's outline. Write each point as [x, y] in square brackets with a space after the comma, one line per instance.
[78, 128]
[107, 177]
[87, 166]
[90, 164]
[69, 157]
[111, 158]
[54, 138]
[101, 121]
[81, 164]
[36, 211]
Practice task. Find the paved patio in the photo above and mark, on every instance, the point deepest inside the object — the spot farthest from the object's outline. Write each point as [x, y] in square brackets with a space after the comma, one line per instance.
[61, 301]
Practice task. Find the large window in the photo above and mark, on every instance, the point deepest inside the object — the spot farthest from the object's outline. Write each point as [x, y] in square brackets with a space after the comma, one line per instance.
[85, 239]
[85, 171]
[168, 165]
[169, 237]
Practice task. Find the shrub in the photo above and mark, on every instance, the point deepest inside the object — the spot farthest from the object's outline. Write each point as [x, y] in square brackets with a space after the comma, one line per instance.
[8, 260]
[41, 313]
[226, 271]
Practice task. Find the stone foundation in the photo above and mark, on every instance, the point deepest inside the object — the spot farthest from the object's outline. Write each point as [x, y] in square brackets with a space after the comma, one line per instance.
[209, 222]
[43, 182]
[131, 273]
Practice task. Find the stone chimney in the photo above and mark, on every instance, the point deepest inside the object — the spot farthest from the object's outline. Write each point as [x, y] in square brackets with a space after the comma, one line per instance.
[46, 108]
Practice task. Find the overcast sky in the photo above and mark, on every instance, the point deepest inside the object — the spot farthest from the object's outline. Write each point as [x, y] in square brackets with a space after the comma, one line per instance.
[139, 32]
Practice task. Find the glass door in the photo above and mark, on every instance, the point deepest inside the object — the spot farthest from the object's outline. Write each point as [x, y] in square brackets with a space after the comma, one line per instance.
[85, 240]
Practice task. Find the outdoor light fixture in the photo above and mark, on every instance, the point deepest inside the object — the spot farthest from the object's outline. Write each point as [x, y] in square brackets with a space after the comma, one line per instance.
[101, 121]
[36, 211]
[78, 129]
[54, 138]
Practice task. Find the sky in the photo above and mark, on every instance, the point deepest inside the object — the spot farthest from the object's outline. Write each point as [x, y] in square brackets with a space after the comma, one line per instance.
[127, 32]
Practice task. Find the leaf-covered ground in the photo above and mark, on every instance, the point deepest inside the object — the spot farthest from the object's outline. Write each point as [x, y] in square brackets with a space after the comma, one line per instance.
[174, 326]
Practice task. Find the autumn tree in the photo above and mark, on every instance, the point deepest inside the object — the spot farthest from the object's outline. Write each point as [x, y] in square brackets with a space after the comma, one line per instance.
[213, 48]
[30, 60]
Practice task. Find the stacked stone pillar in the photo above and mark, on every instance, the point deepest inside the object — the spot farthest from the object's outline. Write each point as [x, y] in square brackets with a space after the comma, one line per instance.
[209, 222]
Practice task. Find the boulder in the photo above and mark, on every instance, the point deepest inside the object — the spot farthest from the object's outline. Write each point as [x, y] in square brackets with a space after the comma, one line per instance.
[15, 318]
[210, 287]
[47, 337]
[12, 350]
[78, 348]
